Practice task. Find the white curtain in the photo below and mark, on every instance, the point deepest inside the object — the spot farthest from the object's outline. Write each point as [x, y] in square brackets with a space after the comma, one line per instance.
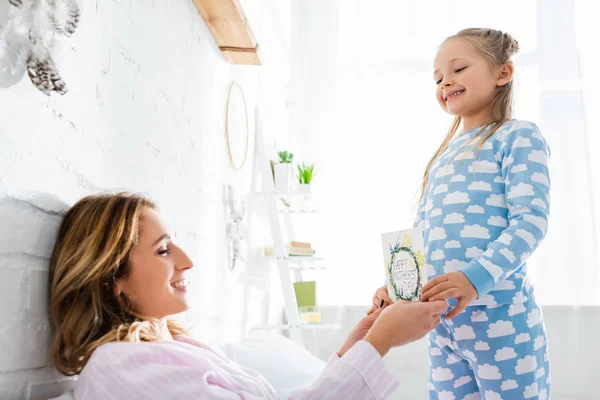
[361, 105]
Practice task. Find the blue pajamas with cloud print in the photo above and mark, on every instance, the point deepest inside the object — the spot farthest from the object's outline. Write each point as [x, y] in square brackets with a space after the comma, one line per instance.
[490, 353]
[484, 212]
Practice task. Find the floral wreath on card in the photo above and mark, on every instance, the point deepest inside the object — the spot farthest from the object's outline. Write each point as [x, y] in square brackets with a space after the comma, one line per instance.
[419, 258]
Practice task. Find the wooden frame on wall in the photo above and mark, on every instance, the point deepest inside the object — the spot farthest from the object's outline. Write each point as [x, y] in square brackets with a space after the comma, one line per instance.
[230, 29]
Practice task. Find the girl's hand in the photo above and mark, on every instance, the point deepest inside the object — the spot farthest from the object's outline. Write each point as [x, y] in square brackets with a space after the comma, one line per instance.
[453, 285]
[380, 300]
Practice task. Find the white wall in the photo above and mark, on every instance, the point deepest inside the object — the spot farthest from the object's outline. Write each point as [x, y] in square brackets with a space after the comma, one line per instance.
[144, 113]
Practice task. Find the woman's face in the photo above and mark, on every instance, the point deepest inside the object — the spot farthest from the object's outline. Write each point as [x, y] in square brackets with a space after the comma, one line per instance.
[156, 282]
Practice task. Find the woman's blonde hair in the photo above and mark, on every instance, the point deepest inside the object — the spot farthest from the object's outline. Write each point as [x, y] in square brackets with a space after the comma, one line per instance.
[497, 48]
[91, 253]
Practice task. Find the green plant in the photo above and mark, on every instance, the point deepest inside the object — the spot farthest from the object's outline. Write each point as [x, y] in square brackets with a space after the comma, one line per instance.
[306, 173]
[285, 157]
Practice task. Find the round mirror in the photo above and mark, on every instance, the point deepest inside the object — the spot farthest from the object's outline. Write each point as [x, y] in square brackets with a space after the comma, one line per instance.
[236, 126]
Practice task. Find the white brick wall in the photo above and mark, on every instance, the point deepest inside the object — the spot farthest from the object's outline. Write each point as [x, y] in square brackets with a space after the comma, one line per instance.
[144, 113]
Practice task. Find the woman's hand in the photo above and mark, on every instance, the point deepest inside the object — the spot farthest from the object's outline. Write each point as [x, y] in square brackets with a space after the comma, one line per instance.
[380, 300]
[359, 331]
[402, 323]
[453, 285]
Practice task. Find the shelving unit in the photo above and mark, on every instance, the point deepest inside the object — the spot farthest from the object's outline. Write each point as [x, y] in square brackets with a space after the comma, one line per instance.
[280, 206]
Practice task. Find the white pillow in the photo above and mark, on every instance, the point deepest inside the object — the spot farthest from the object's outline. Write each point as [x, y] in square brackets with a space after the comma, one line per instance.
[284, 363]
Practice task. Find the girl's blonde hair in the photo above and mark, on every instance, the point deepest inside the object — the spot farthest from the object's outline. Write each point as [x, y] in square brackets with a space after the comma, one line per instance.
[497, 48]
[91, 253]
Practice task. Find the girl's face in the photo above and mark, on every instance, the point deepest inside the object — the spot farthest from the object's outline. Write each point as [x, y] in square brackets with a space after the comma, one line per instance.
[156, 281]
[466, 85]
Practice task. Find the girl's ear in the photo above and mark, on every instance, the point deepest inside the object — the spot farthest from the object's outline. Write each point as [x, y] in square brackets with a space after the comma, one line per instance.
[505, 74]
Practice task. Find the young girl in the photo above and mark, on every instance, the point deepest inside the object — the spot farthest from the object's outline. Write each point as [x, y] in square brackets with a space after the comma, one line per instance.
[484, 209]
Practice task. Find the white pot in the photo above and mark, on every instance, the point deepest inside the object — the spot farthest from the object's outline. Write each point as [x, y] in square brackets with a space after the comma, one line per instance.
[304, 188]
[282, 177]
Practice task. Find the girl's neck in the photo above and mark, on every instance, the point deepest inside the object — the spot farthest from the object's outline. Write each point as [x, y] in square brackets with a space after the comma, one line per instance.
[471, 122]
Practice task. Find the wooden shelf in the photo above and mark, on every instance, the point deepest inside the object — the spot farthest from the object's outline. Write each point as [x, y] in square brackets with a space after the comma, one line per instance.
[229, 27]
[241, 56]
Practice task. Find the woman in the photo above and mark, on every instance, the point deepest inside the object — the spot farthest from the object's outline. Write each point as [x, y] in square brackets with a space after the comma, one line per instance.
[116, 276]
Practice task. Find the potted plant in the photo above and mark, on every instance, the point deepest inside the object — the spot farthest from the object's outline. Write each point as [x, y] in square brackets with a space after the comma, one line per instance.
[305, 176]
[282, 170]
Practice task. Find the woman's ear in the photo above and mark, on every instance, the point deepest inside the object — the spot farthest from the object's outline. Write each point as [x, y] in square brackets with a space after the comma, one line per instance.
[505, 74]
[118, 288]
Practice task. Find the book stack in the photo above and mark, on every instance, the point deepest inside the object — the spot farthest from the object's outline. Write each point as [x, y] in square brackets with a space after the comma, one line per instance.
[293, 249]
[300, 249]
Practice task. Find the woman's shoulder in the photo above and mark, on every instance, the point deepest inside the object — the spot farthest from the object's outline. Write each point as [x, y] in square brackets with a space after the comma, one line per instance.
[119, 354]
[125, 363]
[116, 353]
[105, 362]
[116, 350]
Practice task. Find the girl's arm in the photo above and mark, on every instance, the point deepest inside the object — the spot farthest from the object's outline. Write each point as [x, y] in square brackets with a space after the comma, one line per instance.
[524, 157]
